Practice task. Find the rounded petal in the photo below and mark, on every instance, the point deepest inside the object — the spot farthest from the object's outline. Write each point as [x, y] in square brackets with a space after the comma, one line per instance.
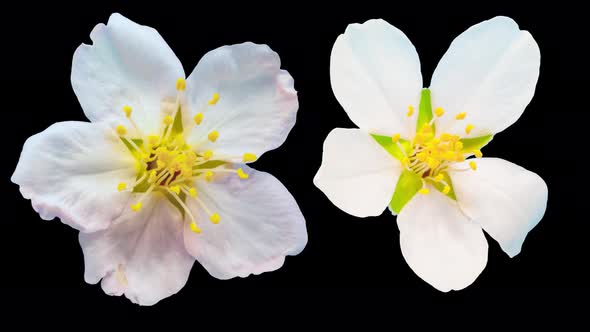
[71, 171]
[142, 256]
[128, 64]
[357, 174]
[505, 199]
[260, 225]
[375, 75]
[439, 243]
[490, 72]
[257, 103]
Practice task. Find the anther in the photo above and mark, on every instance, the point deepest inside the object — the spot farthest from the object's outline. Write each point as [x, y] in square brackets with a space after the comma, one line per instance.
[195, 228]
[198, 118]
[214, 99]
[410, 110]
[192, 192]
[207, 154]
[214, 218]
[460, 116]
[241, 174]
[209, 176]
[121, 130]
[458, 146]
[127, 109]
[439, 178]
[153, 139]
[248, 157]
[446, 190]
[180, 84]
[473, 165]
[439, 111]
[424, 191]
[136, 207]
[468, 128]
[168, 120]
[175, 189]
[478, 153]
[395, 138]
[122, 186]
[213, 135]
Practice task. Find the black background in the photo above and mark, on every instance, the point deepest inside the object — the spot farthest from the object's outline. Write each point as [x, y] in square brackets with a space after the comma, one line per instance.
[42, 263]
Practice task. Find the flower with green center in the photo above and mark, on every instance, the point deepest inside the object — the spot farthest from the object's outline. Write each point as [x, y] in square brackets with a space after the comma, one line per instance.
[158, 178]
[418, 150]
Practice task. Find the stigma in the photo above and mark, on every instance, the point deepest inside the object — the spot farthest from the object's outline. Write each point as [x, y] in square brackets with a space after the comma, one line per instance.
[170, 165]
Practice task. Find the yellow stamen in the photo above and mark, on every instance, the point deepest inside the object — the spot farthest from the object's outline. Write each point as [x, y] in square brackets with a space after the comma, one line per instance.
[249, 157]
[439, 111]
[198, 118]
[395, 138]
[446, 190]
[192, 192]
[410, 111]
[127, 109]
[478, 153]
[195, 228]
[153, 139]
[439, 178]
[461, 116]
[180, 84]
[426, 128]
[175, 189]
[458, 146]
[445, 137]
[424, 191]
[214, 218]
[136, 207]
[209, 176]
[473, 165]
[121, 130]
[468, 129]
[207, 154]
[168, 120]
[122, 186]
[213, 135]
[214, 99]
[241, 174]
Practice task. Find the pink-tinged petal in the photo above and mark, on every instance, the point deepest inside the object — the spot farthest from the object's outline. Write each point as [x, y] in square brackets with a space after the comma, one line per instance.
[71, 171]
[142, 256]
[257, 104]
[439, 243]
[260, 225]
[357, 174]
[127, 64]
[506, 200]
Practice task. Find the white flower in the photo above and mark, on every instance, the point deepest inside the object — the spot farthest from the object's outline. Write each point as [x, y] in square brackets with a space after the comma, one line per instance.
[158, 178]
[480, 87]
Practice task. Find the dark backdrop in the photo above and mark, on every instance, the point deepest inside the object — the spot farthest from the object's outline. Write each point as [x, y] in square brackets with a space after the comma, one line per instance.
[42, 261]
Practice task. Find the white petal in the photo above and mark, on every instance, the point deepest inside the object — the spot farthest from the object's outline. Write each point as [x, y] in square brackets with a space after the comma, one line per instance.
[439, 243]
[490, 72]
[260, 225]
[128, 64]
[505, 199]
[357, 174]
[142, 256]
[257, 105]
[71, 170]
[375, 75]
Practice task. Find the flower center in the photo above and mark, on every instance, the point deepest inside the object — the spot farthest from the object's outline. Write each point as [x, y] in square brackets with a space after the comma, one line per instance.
[168, 164]
[431, 156]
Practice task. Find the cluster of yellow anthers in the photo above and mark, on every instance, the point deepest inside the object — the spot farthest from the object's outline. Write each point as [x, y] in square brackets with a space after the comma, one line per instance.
[170, 165]
[430, 156]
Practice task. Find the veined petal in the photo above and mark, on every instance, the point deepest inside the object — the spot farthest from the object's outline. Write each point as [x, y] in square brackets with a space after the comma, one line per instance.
[505, 199]
[375, 75]
[357, 174]
[257, 103]
[71, 170]
[439, 243]
[142, 256]
[490, 72]
[127, 64]
[260, 224]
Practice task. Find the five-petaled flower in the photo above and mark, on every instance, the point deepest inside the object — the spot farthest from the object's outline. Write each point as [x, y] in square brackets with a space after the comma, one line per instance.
[159, 177]
[412, 146]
